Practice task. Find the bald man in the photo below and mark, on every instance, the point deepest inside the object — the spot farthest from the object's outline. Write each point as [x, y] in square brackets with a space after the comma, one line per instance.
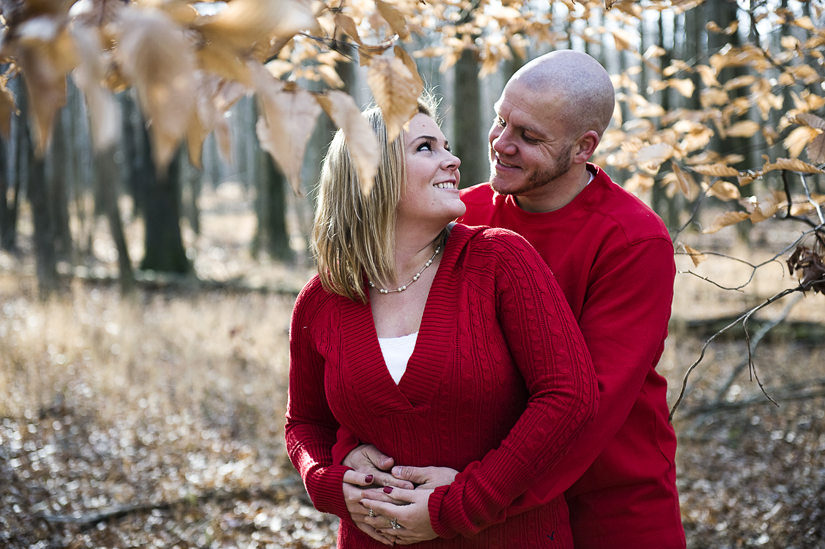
[613, 258]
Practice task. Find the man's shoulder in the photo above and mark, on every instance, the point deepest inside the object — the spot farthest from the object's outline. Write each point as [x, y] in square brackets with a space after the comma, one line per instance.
[635, 218]
[479, 194]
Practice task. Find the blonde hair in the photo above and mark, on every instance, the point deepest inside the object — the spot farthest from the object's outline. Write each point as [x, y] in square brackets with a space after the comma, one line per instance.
[354, 234]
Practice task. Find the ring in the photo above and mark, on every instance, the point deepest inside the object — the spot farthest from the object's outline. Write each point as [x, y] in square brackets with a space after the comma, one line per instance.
[372, 513]
[394, 524]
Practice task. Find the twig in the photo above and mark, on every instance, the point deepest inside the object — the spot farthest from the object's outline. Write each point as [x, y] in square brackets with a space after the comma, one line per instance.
[721, 406]
[692, 217]
[746, 315]
[123, 510]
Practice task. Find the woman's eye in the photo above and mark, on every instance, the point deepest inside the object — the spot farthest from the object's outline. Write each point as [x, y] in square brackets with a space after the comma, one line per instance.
[424, 147]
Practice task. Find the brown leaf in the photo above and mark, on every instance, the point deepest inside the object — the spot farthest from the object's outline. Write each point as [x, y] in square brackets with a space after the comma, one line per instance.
[638, 182]
[808, 267]
[684, 181]
[724, 191]
[160, 61]
[718, 170]
[654, 155]
[394, 17]
[685, 87]
[286, 122]
[745, 128]
[765, 208]
[798, 139]
[361, 141]
[696, 256]
[89, 76]
[725, 219]
[346, 22]
[7, 108]
[808, 119]
[395, 90]
[816, 149]
[45, 53]
[244, 22]
[213, 98]
[410, 64]
[794, 165]
[624, 40]
[708, 76]
[220, 59]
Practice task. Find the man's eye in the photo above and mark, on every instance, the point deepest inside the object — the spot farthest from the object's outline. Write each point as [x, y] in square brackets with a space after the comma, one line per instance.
[530, 140]
[501, 122]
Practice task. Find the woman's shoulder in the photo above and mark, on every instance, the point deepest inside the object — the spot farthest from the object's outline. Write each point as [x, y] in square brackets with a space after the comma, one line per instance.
[313, 295]
[496, 245]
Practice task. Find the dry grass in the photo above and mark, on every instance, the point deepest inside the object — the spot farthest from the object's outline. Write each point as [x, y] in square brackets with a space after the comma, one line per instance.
[179, 398]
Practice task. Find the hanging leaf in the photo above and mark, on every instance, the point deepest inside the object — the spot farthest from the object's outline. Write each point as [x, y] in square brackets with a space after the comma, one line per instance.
[348, 25]
[286, 122]
[748, 177]
[361, 141]
[745, 128]
[244, 22]
[798, 139]
[624, 40]
[695, 255]
[394, 17]
[685, 87]
[410, 64]
[794, 165]
[638, 182]
[766, 208]
[160, 62]
[7, 108]
[88, 76]
[651, 157]
[708, 76]
[395, 90]
[685, 182]
[810, 120]
[816, 149]
[724, 191]
[718, 170]
[724, 220]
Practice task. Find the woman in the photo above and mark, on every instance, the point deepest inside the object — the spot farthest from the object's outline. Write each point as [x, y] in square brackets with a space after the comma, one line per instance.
[441, 345]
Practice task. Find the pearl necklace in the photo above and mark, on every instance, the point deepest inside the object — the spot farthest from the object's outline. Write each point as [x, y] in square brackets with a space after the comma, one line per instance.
[414, 278]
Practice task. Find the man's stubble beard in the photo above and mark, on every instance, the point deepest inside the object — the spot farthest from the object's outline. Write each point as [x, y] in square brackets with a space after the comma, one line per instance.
[538, 179]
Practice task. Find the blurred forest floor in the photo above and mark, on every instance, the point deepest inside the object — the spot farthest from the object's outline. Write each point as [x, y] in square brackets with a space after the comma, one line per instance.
[157, 420]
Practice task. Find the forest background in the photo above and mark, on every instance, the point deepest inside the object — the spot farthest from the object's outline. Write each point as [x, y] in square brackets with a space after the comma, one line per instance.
[152, 246]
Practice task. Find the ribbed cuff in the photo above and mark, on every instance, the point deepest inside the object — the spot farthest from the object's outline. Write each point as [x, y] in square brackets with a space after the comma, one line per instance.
[327, 491]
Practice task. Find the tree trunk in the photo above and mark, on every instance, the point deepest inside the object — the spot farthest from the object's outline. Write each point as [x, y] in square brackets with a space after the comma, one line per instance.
[107, 175]
[163, 243]
[58, 189]
[44, 248]
[468, 130]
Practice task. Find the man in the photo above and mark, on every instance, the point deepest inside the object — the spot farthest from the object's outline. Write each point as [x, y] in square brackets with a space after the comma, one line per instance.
[613, 259]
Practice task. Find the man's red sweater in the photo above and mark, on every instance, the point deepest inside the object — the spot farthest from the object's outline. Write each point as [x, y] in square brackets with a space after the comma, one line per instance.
[613, 258]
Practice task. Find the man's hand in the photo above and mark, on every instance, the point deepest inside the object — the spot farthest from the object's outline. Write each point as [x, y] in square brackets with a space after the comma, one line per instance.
[354, 484]
[425, 478]
[367, 459]
[407, 509]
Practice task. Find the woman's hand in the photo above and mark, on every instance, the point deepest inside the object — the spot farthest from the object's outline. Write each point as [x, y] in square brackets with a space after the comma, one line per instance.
[354, 484]
[407, 509]
[369, 460]
[426, 478]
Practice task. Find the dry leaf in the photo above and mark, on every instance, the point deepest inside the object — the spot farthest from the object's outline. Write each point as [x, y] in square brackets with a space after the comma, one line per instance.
[695, 255]
[638, 182]
[685, 182]
[724, 191]
[160, 61]
[88, 76]
[808, 119]
[394, 17]
[798, 139]
[7, 108]
[794, 165]
[718, 170]
[221, 59]
[624, 40]
[745, 128]
[361, 141]
[395, 90]
[244, 22]
[286, 122]
[725, 219]
[708, 75]
[685, 87]
[816, 149]
[766, 208]
[808, 267]
[652, 156]
[349, 27]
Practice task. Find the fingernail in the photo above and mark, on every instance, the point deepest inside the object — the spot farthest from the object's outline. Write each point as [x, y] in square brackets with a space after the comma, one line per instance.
[388, 489]
[379, 532]
[369, 479]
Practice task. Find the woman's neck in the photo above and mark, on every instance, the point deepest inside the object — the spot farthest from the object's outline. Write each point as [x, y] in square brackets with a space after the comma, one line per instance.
[412, 251]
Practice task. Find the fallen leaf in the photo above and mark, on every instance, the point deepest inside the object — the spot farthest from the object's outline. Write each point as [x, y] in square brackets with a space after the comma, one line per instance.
[696, 256]
[395, 90]
[361, 141]
[724, 220]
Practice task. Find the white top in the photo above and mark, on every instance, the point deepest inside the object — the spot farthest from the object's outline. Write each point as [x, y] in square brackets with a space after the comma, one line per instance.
[397, 352]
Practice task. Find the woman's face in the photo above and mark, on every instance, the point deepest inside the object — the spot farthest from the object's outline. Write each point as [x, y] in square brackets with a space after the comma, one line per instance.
[431, 192]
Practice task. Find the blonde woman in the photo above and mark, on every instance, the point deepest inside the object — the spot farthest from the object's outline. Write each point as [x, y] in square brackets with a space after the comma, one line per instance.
[442, 345]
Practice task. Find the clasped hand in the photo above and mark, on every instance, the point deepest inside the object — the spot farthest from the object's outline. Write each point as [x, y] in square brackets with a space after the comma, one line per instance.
[397, 496]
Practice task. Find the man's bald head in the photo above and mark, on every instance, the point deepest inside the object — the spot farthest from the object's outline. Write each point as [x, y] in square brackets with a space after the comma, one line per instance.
[575, 81]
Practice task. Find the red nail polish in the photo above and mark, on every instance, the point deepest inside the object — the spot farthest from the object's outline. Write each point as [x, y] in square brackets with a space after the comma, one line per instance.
[379, 532]
[369, 479]
[388, 489]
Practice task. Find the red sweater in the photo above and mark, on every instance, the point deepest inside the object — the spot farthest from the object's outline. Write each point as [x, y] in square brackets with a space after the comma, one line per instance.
[500, 376]
[613, 258]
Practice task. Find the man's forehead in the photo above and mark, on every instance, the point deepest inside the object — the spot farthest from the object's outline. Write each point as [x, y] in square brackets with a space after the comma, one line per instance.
[524, 111]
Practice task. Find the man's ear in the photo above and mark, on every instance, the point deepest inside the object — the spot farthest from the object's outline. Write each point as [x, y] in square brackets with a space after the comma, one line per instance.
[585, 147]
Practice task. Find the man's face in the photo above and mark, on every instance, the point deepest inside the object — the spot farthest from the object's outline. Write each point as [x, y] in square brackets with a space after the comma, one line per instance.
[529, 145]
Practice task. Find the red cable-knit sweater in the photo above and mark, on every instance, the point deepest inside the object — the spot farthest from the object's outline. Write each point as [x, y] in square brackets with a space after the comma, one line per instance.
[500, 373]
[613, 258]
